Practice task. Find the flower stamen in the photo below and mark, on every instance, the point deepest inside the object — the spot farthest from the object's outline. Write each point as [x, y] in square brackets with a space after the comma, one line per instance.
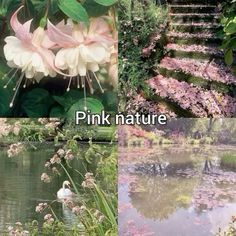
[12, 77]
[99, 84]
[85, 95]
[25, 84]
[89, 84]
[68, 88]
[78, 81]
[16, 89]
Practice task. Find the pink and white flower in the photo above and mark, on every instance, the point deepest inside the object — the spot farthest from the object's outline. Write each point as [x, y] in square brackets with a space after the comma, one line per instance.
[84, 50]
[29, 53]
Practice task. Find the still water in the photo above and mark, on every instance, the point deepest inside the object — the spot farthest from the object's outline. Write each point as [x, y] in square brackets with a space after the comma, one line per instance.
[21, 188]
[176, 191]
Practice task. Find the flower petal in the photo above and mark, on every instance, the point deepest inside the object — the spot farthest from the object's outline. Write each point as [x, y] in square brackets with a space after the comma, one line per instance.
[60, 38]
[14, 22]
[22, 31]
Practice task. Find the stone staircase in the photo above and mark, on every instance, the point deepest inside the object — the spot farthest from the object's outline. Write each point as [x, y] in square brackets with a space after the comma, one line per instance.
[192, 77]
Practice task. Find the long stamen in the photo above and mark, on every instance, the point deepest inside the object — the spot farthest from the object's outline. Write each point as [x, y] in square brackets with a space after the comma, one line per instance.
[17, 83]
[89, 84]
[68, 88]
[89, 77]
[17, 88]
[78, 81]
[99, 84]
[85, 95]
[8, 73]
[82, 81]
[25, 84]
[12, 77]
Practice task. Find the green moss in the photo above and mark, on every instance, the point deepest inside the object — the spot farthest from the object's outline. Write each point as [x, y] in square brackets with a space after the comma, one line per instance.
[229, 160]
[184, 199]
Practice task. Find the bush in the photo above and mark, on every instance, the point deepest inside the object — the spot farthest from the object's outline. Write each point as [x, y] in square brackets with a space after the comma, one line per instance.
[141, 27]
[229, 32]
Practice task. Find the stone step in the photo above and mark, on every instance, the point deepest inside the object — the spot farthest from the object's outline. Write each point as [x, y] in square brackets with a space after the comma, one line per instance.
[150, 105]
[211, 71]
[203, 73]
[194, 27]
[193, 38]
[194, 51]
[194, 17]
[193, 8]
[200, 102]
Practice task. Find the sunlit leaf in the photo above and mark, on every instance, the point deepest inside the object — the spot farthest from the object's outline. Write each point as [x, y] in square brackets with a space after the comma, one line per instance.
[106, 2]
[74, 10]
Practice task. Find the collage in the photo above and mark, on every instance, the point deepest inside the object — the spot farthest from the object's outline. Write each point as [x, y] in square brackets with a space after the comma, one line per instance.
[118, 118]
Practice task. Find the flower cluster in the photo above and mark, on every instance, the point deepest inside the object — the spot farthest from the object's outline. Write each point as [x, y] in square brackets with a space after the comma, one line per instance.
[17, 230]
[98, 216]
[89, 181]
[77, 210]
[41, 207]
[51, 123]
[202, 103]
[57, 157]
[45, 178]
[15, 149]
[6, 129]
[71, 49]
[48, 219]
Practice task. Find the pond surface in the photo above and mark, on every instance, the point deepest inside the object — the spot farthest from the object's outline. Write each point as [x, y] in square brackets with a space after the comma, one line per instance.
[176, 191]
[21, 188]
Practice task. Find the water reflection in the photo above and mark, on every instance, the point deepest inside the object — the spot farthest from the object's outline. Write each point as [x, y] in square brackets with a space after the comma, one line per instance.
[175, 191]
[21, 188]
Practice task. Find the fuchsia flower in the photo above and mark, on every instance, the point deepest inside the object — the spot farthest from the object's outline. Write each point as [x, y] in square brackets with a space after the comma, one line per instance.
[81, 51]
[84, 50]
[29, 53]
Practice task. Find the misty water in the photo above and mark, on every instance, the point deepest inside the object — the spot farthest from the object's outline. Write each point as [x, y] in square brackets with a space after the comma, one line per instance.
[21, 188]
[176, 190]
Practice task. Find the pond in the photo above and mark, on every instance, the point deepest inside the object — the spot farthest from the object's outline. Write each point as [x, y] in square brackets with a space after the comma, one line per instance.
[181, 191]
[21, 188]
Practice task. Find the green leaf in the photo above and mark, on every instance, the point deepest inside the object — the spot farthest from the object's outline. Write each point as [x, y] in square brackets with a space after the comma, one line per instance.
[94, 9]
[230, 28]
[229, 57]
[109, 99]
[69, 98]
[106, 2]
[94, 105]
[74, 10]
[57, 112]
[40, 7]
[37, 103]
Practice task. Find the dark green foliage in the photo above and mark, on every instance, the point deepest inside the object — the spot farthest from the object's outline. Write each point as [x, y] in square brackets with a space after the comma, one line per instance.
[229, 33]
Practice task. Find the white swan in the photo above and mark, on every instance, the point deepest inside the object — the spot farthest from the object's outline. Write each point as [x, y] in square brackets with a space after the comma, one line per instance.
[64, 192]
